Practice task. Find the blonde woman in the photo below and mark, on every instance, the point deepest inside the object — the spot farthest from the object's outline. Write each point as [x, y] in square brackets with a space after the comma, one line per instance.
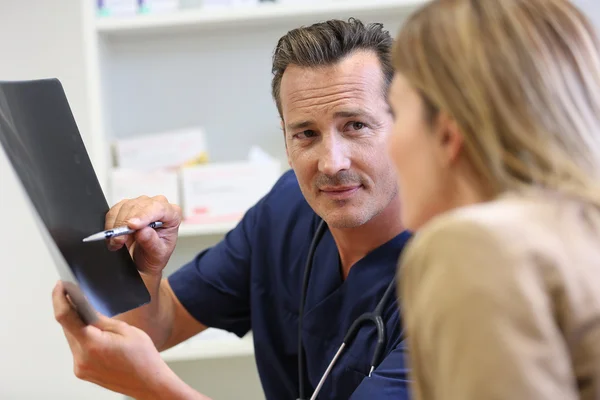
[497, 146]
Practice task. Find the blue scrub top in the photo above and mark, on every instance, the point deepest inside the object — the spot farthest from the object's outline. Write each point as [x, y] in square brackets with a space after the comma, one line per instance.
[252, 281]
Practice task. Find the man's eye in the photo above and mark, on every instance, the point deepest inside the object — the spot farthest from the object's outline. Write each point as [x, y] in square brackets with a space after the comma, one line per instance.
[358, 126]
[305, 134]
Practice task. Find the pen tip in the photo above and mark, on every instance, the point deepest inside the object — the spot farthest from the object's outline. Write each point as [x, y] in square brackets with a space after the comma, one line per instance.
[94, 237]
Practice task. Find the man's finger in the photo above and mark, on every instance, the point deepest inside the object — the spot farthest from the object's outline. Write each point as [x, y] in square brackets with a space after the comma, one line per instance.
[65, 314]
[111, 215]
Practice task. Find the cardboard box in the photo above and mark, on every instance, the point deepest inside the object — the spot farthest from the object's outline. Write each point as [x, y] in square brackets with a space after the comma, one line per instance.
[223, 192]
[166, 150]
[129, 184]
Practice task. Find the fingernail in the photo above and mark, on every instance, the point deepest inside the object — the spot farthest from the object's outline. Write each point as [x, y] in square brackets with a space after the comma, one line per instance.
[134, 221]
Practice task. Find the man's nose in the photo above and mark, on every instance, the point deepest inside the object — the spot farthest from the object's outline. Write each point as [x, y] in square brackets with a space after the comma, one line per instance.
[333, 156]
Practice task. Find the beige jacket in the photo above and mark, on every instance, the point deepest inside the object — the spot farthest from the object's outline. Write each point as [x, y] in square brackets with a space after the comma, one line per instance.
[502, 301]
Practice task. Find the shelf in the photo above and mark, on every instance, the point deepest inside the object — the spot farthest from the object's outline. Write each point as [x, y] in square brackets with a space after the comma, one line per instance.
[188, 229]
[261, 14]
[210, 349]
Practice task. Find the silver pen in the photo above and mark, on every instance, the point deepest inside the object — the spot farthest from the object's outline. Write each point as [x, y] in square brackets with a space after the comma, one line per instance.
[119, 231]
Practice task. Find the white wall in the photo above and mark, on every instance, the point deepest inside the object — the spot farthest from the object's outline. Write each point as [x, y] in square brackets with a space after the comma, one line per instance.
[38, 38]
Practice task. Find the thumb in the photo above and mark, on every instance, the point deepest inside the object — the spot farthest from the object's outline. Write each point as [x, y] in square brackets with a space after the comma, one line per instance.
[147, 237]
[149, 249]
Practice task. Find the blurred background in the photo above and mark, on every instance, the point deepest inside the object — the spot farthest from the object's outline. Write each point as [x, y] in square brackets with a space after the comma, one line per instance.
[188, 81]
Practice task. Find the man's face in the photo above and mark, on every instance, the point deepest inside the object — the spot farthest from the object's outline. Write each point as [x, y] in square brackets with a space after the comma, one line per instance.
[336, 122]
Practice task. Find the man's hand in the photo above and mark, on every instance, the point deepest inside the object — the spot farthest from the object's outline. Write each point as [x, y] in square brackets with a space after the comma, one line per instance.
[150, 248]
[117, 356]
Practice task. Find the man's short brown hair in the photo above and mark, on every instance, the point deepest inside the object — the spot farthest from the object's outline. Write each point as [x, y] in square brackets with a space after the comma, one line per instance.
[327, 43]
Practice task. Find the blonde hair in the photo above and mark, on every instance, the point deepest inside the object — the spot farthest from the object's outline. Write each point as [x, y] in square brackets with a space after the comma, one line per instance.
[521, 78]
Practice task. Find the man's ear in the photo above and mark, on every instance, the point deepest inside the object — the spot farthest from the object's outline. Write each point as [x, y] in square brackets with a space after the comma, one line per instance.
[449, 138]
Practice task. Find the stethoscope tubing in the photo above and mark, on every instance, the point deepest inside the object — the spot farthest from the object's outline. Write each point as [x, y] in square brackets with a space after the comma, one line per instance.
[328, 371]
[307, 269]
[374, 317]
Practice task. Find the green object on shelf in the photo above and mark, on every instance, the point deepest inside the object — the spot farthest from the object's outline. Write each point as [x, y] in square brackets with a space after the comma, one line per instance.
[103, 12]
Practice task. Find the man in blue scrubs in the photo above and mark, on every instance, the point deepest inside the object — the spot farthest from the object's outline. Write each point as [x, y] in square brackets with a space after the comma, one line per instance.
[330, 83]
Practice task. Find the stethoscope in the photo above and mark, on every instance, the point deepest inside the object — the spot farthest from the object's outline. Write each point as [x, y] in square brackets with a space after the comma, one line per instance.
[369, 317]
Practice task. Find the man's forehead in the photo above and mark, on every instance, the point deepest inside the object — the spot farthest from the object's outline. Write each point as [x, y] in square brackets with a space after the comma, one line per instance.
[359, 77]
[361, 66]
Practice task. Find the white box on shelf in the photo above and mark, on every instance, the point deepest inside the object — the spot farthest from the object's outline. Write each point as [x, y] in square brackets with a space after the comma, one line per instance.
[212, 334]
[216, 347]
[241, 3]
[158, 6]
[185, 4]
[227, 3]
[116, 8]
[222, 192]
[299, 1]
[171, 149]
[216, 3]
[129, 183]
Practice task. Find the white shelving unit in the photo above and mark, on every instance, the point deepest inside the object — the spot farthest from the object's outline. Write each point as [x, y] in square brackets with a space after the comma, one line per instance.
[112, 58]
[210, 68]
[243, 17]
[187, 229]
[210, 349]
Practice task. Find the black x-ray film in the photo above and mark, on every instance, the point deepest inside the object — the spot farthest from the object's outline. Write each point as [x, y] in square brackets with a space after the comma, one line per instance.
[42, 142]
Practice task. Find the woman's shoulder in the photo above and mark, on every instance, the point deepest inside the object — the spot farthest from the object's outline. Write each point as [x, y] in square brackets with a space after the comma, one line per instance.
[503, 219]
[500, 241]
[521, 222]
[473, 254]
[486, 240]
